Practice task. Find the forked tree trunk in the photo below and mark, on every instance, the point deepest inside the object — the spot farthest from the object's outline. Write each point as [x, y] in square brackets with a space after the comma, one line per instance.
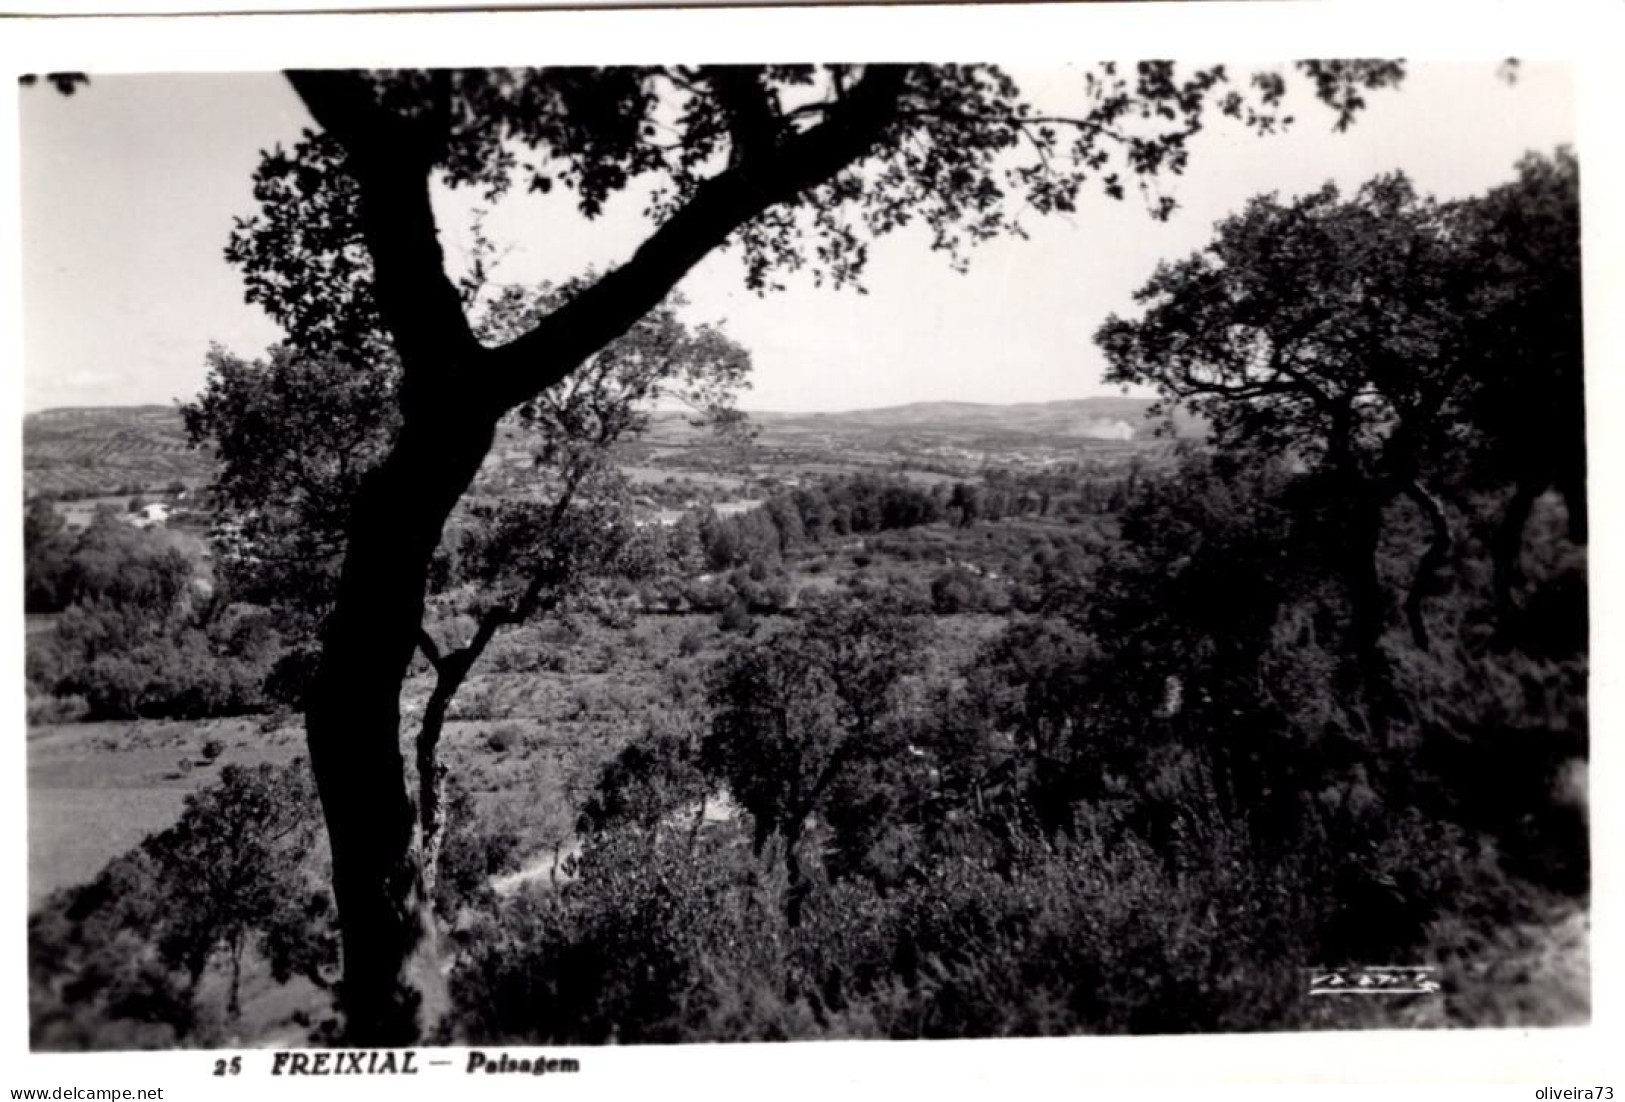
[391, 988]
[392, 992]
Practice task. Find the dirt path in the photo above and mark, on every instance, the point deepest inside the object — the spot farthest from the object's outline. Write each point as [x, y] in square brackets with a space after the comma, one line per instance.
[548, 865]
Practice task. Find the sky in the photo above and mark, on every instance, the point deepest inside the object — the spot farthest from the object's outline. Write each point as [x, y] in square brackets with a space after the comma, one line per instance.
[130, 186]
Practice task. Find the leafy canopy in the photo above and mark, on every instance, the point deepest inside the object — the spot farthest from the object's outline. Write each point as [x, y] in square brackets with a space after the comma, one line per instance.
[959, 149]
[1321, 326]
[1374, 331]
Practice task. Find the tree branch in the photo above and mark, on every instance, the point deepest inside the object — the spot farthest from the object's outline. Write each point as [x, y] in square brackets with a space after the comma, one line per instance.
[430, 649]
[719, 206]
[1014, 121]
[754, 123]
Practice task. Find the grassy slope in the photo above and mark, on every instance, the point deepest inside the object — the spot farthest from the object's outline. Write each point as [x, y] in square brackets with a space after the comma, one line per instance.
[95, 790]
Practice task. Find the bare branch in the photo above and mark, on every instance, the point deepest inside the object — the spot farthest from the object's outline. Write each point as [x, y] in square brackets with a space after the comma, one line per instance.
[430, 649]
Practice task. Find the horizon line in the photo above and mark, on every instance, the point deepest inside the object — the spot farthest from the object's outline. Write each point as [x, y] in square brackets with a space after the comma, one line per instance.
[747, 411]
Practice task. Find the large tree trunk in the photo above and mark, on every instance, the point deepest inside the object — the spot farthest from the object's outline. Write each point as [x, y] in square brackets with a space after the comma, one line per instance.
[454, 391]
[392, 991]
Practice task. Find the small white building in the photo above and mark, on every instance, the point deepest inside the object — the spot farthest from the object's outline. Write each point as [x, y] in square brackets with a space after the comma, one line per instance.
[155, 515]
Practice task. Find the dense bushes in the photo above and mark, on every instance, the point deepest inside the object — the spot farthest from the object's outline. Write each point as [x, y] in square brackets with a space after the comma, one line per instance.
[1144, 807]
[209, 670]
[661, 938]
[138, 634]
[673, 936]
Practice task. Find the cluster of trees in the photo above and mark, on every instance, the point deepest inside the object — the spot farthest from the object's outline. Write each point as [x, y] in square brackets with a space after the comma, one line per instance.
[831, 508]
[863, 504]
[137, 630]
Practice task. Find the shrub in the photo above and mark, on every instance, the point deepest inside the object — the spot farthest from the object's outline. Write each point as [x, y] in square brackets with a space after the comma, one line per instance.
[43, 710]
[475, 848]
[654, 942]
[735, 618]
[956, 589]
[691, 642]
[501, 739]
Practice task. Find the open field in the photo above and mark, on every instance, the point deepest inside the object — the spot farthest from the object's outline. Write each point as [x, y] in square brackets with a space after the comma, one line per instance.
[96, 789]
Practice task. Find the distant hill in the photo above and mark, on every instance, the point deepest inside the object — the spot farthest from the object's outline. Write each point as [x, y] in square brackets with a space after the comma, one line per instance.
[1107, 418]
[108, 449]
[984, 428]
[122, 449]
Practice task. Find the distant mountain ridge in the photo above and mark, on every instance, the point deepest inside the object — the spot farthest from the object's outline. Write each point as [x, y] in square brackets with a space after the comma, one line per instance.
[114, 449]
[1103, 417]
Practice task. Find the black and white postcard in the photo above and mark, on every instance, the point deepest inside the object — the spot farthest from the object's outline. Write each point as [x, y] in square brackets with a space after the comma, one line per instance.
[794, 529]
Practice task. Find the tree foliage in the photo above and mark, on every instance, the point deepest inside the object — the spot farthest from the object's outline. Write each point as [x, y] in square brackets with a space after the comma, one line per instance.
[796, 714]
[1372, 337]
[235, 876]
[958, 149]
[1324, 328]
